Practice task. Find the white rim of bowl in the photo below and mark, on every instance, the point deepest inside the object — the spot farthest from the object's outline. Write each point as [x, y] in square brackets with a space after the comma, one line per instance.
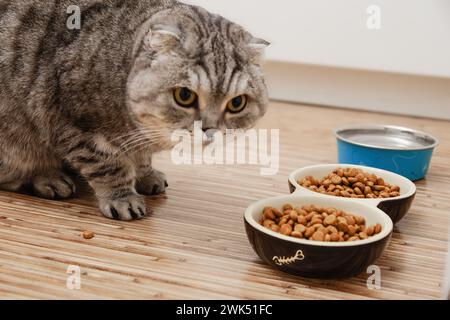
[385, 232]
[379, 172]
[337, 133]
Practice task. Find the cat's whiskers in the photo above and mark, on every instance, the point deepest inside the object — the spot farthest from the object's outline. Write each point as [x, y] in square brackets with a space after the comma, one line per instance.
[149, 141]
[139, 147]
[147, 144]
[140, 136]
[140, 133]
[131, 144]
[135, 132]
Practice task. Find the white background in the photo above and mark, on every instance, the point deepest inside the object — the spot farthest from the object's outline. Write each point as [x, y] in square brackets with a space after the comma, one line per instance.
[414, 38]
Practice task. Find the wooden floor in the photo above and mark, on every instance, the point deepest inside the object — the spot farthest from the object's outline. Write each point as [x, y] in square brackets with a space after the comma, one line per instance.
[194, 245]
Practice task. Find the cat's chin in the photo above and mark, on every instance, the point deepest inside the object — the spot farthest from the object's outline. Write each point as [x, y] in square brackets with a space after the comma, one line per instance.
[208, 142]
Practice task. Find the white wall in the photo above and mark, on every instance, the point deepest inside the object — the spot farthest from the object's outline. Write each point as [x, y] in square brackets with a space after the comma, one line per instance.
[322, 52]
[359, 89]
[414, 36]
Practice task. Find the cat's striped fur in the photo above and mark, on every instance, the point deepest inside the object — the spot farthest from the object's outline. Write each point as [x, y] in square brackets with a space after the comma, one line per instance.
[99, 99]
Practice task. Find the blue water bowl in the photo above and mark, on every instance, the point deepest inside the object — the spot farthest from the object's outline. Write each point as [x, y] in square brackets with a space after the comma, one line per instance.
[401, 150]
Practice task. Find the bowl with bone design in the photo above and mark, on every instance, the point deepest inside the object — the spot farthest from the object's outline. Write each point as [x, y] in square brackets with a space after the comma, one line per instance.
[319, 258]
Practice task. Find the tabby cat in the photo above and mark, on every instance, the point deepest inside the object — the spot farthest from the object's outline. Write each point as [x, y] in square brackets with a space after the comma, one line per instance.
[103, 98]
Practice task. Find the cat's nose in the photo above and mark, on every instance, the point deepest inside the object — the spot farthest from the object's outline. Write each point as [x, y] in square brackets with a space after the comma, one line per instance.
[209, 132]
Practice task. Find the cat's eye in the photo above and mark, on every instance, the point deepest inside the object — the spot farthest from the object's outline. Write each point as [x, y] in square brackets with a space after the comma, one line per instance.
[185, 97]
[237, 104]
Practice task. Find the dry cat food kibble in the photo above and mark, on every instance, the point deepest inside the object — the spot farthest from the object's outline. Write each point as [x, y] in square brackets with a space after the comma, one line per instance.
[88, 235]
[318, 224]
[351, 183]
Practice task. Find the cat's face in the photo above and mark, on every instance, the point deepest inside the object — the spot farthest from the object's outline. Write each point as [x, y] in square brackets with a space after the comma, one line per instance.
[195, 66]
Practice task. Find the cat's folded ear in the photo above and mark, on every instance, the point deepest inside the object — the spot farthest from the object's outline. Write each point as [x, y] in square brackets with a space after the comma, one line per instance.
[257, 48]
[258, 44]
[163, 37]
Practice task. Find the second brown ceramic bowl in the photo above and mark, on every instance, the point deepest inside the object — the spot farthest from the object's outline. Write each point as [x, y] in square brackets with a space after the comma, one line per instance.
[396, 208]
[326, 260]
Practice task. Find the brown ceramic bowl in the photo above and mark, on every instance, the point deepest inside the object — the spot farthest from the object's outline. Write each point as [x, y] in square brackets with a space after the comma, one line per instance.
[325, 260]
[396, 208]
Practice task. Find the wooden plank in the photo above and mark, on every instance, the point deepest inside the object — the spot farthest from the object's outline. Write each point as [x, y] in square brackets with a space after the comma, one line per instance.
[194, 245]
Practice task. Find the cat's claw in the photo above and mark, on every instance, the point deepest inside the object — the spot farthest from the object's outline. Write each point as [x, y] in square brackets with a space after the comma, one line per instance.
[125, 209]
[53, 186]
[153, 184]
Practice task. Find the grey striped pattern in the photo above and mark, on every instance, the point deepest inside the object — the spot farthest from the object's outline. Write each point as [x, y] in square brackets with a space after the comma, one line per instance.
[99, 100]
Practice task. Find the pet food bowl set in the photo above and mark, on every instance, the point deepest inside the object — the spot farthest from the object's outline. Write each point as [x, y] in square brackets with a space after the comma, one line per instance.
[404, 152]
[328, 259]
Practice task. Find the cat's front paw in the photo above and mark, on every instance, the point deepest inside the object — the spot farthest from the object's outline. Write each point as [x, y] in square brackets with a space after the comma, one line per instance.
[152, 184]
[53, 185]
[125, 209]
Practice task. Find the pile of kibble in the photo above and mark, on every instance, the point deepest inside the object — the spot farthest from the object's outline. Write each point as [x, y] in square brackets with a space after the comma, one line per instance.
[351, 183]
[318, 224]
